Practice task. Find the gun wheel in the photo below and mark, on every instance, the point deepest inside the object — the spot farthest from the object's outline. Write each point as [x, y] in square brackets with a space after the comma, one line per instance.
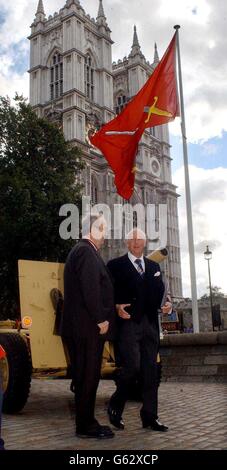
[4, 368]
[16, 370]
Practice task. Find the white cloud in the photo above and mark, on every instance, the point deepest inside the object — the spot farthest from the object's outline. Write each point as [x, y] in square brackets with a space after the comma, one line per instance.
[203, 47]
[209, 203]
[18, 84]
[197, 11]
[210, 149]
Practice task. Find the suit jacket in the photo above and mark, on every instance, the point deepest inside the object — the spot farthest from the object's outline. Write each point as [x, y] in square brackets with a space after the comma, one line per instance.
[143, 293]
[88, 293]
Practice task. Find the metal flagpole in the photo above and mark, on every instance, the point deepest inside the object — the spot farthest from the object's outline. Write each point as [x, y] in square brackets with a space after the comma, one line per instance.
[195, 314]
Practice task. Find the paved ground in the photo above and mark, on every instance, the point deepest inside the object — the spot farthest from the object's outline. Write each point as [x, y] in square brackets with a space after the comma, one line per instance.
[196, 415]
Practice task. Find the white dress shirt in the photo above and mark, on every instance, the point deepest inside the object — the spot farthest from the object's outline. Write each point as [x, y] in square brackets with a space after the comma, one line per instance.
[133, 259]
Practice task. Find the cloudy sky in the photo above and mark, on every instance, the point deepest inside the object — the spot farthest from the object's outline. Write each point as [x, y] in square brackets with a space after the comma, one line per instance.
[203, 41]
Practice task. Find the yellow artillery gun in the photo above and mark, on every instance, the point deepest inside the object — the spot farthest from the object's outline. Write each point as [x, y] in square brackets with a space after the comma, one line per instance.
[33, 345]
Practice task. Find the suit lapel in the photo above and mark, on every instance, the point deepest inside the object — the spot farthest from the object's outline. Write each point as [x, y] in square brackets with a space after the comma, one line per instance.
[149, 270]
[147, 267]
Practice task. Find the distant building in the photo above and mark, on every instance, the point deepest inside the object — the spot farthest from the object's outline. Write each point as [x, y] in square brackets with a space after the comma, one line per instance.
[74, 82]
[184, 310]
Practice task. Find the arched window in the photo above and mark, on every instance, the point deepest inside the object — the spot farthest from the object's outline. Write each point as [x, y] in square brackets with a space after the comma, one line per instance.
[89, 77]
[121, 101]
[56, 76]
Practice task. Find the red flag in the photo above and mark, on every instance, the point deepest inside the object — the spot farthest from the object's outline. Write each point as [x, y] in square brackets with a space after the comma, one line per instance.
[2, 352]
[155, 104]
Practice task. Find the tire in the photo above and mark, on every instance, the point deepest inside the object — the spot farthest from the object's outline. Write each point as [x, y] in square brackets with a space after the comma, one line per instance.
[16, 371]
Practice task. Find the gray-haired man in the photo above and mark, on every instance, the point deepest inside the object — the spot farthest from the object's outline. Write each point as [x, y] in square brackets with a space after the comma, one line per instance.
[139, 291]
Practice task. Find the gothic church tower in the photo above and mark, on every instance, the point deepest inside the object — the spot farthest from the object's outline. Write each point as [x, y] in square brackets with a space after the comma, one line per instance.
[73, 82]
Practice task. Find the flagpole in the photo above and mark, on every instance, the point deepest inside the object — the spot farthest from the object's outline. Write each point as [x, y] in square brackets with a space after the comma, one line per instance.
[195, 314]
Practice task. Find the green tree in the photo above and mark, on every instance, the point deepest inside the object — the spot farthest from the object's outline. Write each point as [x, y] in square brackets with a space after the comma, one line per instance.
[37, 176]
[216, 293]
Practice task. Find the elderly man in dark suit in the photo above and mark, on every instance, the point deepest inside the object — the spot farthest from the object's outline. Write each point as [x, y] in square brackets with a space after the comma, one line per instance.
[139, 292]
[87, 322]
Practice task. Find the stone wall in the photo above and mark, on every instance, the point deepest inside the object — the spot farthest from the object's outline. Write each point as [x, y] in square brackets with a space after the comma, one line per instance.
[200, 357]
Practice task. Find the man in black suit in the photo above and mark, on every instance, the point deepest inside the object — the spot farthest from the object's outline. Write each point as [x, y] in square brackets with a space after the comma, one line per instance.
[139, 291]
[87, 322]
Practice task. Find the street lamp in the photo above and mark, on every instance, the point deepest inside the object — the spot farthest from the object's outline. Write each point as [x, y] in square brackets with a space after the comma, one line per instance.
[208, 257]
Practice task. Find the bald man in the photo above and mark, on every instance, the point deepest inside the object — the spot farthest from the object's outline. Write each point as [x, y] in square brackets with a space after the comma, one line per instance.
[139, 291]
[87, 322]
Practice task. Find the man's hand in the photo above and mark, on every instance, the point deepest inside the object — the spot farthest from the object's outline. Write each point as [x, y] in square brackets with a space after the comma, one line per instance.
[167, 308]
[122, 312]
[104, 326]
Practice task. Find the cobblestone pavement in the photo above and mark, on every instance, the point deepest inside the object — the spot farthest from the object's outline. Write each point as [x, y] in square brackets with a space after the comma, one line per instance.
[195, 413]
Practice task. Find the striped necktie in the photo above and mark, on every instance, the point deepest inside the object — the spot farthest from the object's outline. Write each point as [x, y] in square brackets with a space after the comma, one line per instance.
[139, 267]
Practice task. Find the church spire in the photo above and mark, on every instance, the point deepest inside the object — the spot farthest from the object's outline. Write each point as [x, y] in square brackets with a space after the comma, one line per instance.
[101, 18]
[135, 45]
[101, 13]
[135, 38]
[40, 8]
[156, 56]
[40, 14]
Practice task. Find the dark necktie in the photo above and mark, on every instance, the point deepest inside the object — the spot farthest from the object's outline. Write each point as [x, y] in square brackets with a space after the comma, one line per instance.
[139, 267]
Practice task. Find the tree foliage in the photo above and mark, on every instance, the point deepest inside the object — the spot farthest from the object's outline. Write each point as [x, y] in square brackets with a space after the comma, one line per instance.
[216, 293]
[37, 176]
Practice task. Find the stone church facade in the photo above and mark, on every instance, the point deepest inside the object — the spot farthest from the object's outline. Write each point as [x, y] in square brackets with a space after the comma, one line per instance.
[73, 81]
